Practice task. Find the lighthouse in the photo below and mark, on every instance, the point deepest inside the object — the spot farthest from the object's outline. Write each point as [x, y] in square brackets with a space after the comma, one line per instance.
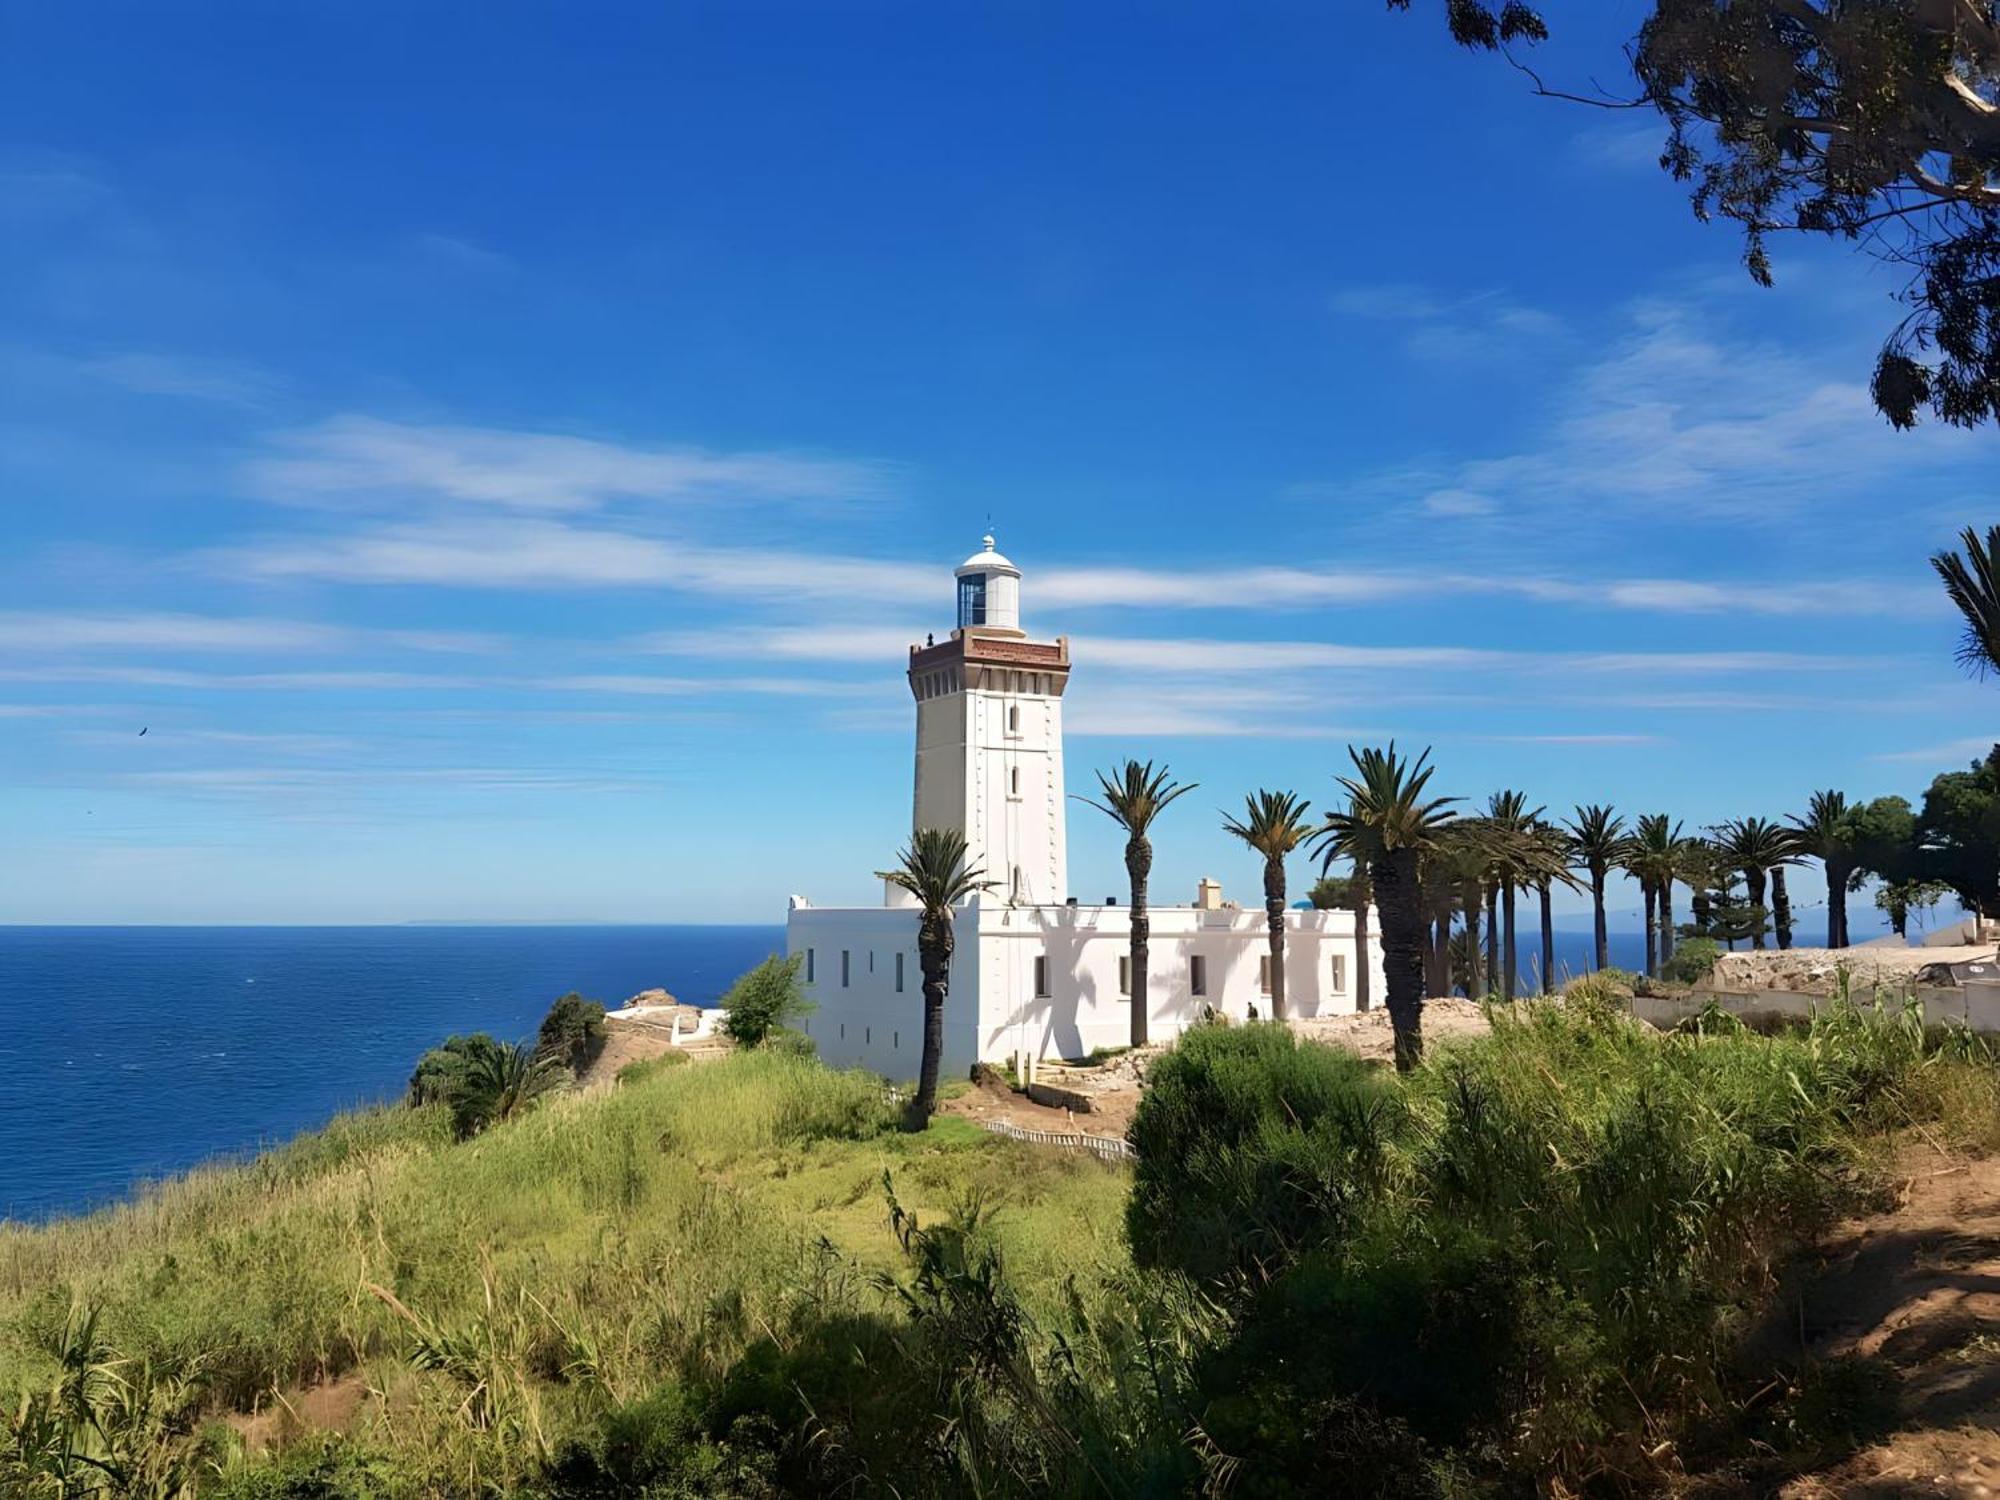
[989, 758]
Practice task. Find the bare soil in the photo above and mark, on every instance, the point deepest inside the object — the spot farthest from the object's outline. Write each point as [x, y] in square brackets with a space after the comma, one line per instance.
[1816, 971]
[1368, 1032]
[329, 1406]
[627, 1041]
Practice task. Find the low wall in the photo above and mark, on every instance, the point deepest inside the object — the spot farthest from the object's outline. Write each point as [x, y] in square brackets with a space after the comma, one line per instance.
[1973, 1005]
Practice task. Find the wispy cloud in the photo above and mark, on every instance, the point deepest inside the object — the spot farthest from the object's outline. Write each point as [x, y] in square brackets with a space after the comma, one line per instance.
[228, 382]
[72, 631]
[461, 253]
[360, 460]
[1570, 739]
[1951, 750]
[1441, 328]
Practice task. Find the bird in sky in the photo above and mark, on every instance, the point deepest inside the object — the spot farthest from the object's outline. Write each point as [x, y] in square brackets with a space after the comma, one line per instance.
[142, 732]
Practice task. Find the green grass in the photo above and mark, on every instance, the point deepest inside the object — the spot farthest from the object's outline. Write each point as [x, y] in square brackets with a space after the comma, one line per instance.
[636, 1235]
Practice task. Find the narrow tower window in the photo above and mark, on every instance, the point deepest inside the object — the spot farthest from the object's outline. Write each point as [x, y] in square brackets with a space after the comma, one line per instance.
[1041, 977]
[1014, 718]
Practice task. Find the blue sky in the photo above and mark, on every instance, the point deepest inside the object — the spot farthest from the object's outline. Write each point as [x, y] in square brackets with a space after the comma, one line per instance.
[500, 452]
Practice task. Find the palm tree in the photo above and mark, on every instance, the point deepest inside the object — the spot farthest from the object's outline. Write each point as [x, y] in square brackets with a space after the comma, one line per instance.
[1595, 836]
[1826, 833]
[1760, 849]
[1973, 582]
[1513, 826]
[933, 869]
[501, 1081]
[1548, 865]
[1387, 825]
[1134, 795]
[1273, 824]
[1654, 856]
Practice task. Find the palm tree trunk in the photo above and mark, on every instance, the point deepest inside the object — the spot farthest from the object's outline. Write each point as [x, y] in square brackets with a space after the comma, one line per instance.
[1652, 931]
[1597, 913]
[1139, 865]
[1548, 945]
[1492, 937]
[1363, 982]
[1781, 907]
[1471, 899]
[1836, 906]
[1438, 982]
[1510, 963]
[1753, 887]
[1397, 896]
[1274, 916]
[934, 945]
[1666, 922]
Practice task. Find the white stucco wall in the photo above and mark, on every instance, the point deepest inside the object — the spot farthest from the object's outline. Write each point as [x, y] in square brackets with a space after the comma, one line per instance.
[993, 1009]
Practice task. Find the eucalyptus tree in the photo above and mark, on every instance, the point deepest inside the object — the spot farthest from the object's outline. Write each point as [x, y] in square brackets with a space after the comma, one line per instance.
[1973, 582]
[1134, 795]
[1761, 849]
[1870, 122]
[1596, 834]
[1388, 825]
[1827, 833]
[1273, 824]
[934, 869]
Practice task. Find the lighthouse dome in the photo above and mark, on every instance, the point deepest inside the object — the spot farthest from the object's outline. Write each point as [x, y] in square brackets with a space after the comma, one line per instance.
[989, 592]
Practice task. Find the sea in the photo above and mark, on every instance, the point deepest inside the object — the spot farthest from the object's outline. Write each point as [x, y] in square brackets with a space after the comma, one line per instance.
[133, 1053]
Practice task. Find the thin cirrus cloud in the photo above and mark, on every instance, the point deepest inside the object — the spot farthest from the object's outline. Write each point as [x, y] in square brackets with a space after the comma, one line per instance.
[353, 460]
[74, 631]
[542, 552]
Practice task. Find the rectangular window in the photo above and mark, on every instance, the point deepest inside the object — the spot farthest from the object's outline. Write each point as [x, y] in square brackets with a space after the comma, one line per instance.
[809, 966]
[1264, 973]
[1124, 973]
[1340, 973]
[899, 973]
[972, 600]
[871, 960]
[1014, 783]
[1198, 975]
[1041, 977]
[843, 968]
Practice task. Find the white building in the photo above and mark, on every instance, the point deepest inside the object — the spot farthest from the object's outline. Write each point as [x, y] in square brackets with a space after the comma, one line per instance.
[1033, 970]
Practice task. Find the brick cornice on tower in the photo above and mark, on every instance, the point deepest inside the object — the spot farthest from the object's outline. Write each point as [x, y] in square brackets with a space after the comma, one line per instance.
[970, 651]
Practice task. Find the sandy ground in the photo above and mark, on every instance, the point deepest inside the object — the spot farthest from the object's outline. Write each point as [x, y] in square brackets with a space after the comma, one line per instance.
[1919, 1288]
[1816, 970]
[636, 1039]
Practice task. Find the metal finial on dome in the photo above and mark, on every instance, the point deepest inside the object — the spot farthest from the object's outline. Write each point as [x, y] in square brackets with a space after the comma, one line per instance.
[988, 540]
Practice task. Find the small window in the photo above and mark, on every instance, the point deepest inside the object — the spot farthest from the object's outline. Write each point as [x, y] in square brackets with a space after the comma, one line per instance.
[1041, 976]
[1198, 975]
[1014, 718]
[1340, 973]
[868, 1036]
[1014, 782]
[899, 973]
[1264, 973]
[896, 1040]
[1019, 887]
[1124, 973]
[809, 966]
[844, 956]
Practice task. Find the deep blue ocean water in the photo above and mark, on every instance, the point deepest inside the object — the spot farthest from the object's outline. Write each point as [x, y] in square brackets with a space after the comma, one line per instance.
[129, 1053]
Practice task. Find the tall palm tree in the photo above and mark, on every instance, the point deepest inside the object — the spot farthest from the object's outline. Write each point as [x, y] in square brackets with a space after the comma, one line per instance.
[1654, 856]
[1273, 824]
[1973, 582]
[933, 869]
[1760, 849]
[1548, 865]
[1826, 833]
[1513, 823]
[1595, 834]
[1388, 825]
[1454, 878]
[1134, 795]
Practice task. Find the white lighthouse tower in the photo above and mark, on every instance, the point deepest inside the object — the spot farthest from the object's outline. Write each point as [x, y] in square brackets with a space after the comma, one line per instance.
[989, 737]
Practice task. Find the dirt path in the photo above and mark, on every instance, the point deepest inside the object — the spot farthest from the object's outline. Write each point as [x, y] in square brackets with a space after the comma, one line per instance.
[1918, 1289]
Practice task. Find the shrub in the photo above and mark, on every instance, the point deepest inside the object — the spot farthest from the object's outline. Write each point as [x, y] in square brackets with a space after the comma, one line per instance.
[1692, 961]
[482, 1081]
[766, 999]
[572, 1032]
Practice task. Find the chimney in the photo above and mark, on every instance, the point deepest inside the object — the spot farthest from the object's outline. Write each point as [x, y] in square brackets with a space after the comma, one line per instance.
[1208, 894]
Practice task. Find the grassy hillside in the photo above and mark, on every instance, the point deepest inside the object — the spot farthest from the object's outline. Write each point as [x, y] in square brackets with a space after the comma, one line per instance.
[1538, 1256]
[564, 1263]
